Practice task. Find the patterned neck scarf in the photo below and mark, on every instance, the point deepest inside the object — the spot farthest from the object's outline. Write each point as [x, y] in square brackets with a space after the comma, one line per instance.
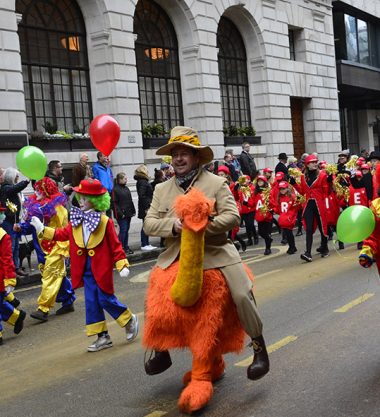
[186, 178]
[90, 219]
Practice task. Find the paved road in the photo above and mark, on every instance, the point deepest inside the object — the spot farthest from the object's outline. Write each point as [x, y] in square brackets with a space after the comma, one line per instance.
[324, 361]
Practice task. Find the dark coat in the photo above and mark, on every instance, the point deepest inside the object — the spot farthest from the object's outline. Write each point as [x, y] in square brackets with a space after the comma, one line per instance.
[122, 202]
[281, 167]
[145, 194]
[11, 192]
[248, 166]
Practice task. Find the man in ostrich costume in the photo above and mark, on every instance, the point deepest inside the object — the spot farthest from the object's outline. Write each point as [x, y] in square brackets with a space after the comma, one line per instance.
[194, 211]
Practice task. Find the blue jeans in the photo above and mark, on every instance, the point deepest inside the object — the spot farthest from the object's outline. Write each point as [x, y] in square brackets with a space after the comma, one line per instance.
[144, 237]
[124, 225]
[8, 227]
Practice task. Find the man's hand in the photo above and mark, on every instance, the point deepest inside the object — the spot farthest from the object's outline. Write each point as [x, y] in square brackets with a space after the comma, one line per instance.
[365, 261]
[37, 224]
[177, 227]
[124, 272]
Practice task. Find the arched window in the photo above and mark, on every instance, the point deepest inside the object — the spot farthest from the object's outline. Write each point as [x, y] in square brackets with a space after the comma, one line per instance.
[233, 76]
[55, 65]
[157, 68]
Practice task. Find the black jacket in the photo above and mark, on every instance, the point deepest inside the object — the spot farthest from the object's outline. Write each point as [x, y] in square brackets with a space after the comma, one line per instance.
[10, 192]
[281, 167]
[145, 194]
[122, 202]
[248, 166]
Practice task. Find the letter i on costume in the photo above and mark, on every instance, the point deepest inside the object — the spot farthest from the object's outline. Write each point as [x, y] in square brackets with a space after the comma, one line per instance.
[8, 313]
[94, 249]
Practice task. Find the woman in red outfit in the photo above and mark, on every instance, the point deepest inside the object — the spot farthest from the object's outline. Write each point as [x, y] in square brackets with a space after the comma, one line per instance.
[263, 215]
[314, 186]
[287, 208]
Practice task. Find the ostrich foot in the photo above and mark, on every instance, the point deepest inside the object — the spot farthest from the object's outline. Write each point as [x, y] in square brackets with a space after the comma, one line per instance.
[217, 372]
[195, 396]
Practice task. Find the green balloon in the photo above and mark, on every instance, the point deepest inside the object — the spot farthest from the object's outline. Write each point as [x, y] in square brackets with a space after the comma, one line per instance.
[355, 224]
[31, 162]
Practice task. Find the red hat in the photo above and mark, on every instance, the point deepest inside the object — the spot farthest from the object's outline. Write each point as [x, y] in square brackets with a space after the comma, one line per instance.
[90, 187]
[310, 158]
[364, 166]
[280, 176]
[263, 178]
[224, 169]
[283, 184]
[358, 173]
[267, 170]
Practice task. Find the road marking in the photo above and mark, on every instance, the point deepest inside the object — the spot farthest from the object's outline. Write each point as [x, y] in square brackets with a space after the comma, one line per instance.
[156, 414]
[274, 271]
[354, 303]
[272, 348]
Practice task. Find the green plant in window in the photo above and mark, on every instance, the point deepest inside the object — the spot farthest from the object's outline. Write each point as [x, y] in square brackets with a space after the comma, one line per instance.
[154, 130]
[246, 131]
[50, 127]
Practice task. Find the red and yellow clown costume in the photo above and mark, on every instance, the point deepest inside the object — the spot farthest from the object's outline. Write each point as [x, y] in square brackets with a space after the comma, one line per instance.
[48, 203]
[93, 254]
[8, 313]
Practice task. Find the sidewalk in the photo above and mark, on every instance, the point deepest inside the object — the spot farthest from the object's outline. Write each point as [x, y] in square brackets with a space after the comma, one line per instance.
[34, 276]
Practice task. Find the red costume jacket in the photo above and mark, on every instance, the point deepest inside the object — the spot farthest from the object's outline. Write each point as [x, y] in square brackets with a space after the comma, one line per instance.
[332, 208]
[7, 267]
[318, 191]
[287, 208]
[358, 196]
[103, 246]
[259, 215]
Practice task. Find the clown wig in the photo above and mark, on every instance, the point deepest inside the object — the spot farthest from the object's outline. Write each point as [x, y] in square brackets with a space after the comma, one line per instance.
[99, 202]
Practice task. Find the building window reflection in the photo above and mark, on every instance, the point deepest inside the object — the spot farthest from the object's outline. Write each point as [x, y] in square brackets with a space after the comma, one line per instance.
[55, 65]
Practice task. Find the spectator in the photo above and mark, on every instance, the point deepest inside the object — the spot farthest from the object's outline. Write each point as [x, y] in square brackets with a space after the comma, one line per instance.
[364, 153]
[281, 166]
[210, 167]
[2, 170]
[81, 170]
[301, 162]
[235, 161]
[229, 164]
[124, 209]
[10, 191]
[247, 162]
[167, 170]
[102, 172]
[292, 162]
[145, 194]
[159, 176]
[54, 172]
[343, 158]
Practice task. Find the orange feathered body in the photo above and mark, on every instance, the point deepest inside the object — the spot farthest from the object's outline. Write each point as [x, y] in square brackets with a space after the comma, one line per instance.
[211, 325]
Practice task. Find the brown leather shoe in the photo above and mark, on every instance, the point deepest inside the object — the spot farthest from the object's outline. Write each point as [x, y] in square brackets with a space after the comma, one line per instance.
[159, 363]
[260, 365]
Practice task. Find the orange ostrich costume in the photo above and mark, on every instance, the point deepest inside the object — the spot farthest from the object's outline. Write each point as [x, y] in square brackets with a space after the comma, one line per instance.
[210, 326]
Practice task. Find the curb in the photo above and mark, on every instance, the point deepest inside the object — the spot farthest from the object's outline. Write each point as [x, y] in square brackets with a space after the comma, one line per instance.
[35, 276]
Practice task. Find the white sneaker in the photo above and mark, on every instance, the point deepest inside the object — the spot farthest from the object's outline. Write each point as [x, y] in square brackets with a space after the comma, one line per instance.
[147, 247]
[102, 342]
[132, 328]
[152, 247]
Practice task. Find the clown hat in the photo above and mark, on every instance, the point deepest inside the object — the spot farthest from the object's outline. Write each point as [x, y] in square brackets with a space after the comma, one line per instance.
[90, 187]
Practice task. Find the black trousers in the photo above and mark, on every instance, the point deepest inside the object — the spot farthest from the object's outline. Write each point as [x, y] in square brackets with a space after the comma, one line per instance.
[311, 213]
[288, 234]
[265, 229]
[249, 221]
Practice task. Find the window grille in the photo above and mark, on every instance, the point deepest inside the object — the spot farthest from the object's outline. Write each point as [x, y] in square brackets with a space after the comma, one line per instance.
[55, 65]
[157, 66]
[233, 76]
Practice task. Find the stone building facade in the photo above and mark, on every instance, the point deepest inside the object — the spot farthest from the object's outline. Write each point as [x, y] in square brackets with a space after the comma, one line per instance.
[290, 72]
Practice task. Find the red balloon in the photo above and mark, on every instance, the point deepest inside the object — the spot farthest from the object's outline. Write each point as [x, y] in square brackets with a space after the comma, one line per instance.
[104, 133]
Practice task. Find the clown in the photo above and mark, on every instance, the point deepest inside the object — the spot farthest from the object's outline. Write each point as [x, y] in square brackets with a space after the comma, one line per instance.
[8, 313]
[94, 249]
[47, 203]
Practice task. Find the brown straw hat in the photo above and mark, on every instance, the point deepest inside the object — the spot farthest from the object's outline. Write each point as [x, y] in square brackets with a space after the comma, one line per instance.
[186, 136]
